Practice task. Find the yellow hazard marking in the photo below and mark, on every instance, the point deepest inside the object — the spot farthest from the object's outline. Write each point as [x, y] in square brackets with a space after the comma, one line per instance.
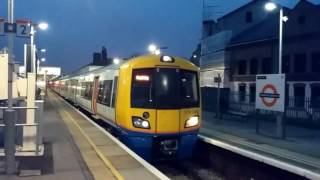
[96, 149]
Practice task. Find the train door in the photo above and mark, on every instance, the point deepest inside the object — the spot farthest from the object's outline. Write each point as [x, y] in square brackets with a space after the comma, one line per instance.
[113, 98]
[167, 95]
[95, 95]
[75, 90]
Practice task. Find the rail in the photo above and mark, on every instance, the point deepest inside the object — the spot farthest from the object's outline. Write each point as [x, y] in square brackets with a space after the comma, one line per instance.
[37, 123]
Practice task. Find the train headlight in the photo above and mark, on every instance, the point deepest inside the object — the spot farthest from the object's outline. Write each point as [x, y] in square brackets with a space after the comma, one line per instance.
[140, 123]
[168, 59]
[193, 121]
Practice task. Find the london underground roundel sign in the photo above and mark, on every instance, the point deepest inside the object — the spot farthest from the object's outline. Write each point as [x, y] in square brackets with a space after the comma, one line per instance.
[270, 92]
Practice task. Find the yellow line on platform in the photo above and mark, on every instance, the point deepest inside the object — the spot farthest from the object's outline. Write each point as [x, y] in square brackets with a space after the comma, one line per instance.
[96, 149]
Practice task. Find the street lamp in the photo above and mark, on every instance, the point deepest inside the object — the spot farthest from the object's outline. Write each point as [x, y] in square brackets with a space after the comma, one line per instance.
[116, 61]
[43, 50]
[43, 59]
[157, 52]
[152, 48]
[270, 6]
[41, 26]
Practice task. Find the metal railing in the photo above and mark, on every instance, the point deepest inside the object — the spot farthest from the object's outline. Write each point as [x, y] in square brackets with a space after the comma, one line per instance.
[298, 109]
[21, 117]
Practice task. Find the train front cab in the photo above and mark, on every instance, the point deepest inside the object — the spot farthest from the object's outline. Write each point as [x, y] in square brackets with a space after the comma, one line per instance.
[164, 115]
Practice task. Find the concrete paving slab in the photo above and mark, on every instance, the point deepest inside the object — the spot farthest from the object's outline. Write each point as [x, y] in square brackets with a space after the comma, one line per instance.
[137, 174]
[124, 162]
[112, 150]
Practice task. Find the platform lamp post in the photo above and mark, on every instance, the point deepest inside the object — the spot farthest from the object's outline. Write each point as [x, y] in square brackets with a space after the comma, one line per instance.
[153, 49]
[41, 26]
[10, 116]
[271, 6]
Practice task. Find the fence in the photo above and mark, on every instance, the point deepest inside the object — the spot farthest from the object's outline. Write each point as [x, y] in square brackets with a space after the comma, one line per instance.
[302, 111]
[21, 125]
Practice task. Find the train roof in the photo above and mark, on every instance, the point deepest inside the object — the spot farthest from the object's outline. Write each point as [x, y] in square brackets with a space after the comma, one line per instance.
[146, 60]
[155, 60]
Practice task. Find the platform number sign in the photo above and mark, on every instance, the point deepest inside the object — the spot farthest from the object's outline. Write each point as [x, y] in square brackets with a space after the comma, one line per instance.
[1, 27]
[23, 28]
[270, 92]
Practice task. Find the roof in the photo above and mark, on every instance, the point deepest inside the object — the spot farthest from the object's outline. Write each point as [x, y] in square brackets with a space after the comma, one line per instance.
[265, 30]
[240, 8]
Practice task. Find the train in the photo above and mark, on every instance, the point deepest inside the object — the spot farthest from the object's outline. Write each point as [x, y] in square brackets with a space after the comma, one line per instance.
[152, 102]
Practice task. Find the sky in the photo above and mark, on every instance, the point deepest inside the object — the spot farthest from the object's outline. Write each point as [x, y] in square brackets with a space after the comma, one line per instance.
[77, 28]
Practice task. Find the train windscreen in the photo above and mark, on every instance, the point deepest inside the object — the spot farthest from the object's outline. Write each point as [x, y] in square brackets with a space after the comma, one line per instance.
[164, 88]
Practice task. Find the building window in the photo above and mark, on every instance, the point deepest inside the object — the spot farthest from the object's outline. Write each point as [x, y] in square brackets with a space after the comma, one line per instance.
[300, 63]
[252, 94]
[267, 65]
[254, 66]
[299, 95]
[316, 62]
[249, 17]
[302, 20]
[315, 96]
[242, 67]
[286, 64]
[242, 93]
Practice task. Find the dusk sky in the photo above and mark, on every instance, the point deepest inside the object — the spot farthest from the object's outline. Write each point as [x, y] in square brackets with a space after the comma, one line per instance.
[125, 27]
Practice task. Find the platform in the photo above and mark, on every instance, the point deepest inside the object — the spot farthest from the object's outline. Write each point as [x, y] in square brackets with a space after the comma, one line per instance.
[271, 151]
[77, 148]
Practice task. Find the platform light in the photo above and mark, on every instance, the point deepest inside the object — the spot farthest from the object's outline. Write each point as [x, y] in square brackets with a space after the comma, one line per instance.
[43, 59]
[157, 52]
[43, 26]
[152, 48]
[194, 56]
[116, 61]
[270, 6]
[43, 50]
[192, 121]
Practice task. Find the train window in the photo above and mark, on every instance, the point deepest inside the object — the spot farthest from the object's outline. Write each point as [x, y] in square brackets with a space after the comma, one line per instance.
[107, 93]
[142, 93]
[189, 89]
[88, 88]
[101, 90]
[114, 92]
[167, 88]
[83, 89]
[164, 88]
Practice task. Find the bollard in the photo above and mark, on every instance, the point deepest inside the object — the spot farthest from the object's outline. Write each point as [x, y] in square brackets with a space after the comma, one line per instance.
[10, 118]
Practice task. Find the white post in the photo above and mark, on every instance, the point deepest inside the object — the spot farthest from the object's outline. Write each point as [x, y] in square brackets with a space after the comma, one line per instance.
[280, 120]
[32, 47]
[280, 39]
